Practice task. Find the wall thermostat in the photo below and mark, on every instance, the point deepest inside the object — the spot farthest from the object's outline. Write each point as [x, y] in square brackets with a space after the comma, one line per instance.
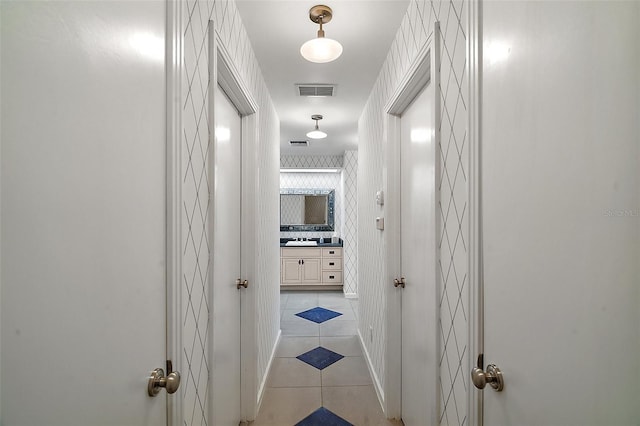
[380, 197]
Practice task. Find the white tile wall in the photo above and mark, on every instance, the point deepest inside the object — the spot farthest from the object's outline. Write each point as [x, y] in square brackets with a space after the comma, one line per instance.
[311, 161]
[291, 209]
[196, 188]
[316, 181]
[453, 155]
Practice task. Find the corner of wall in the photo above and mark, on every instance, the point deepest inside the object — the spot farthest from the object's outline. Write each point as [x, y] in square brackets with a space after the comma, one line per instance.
[233, 37]
[453, 155]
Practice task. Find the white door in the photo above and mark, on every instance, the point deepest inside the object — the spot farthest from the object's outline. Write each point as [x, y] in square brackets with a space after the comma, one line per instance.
[418, 261]
[561, 211]
[227, 153]
[83, 212]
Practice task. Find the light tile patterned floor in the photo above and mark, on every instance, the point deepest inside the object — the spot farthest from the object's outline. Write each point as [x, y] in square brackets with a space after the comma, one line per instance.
[296, 389]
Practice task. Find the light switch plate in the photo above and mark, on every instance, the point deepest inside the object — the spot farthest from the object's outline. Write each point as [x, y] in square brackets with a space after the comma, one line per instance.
[380, 223]
[380, 198]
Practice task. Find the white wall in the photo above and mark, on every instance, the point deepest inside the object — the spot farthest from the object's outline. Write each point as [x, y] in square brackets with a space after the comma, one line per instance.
[316, 181]
[234, 39]
[452, 154]
[350, 223]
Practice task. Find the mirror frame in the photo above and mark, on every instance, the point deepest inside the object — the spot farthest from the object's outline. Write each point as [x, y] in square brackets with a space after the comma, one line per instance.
[331, 198]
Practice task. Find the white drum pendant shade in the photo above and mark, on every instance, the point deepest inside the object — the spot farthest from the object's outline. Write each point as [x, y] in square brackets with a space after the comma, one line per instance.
[316, 133]
[321, 50]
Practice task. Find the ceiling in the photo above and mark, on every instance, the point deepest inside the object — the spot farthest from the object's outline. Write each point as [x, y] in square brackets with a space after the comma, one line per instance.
[277, 29]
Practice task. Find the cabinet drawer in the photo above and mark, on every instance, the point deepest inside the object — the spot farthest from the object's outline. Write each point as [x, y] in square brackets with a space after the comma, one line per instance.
[331, 264]
[331, 277]
[332, 252]
[300, 252]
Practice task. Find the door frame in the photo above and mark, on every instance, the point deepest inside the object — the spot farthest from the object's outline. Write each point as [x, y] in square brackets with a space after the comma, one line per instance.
[174, 42]
[424, 70]
[475, 401]
[222, 71]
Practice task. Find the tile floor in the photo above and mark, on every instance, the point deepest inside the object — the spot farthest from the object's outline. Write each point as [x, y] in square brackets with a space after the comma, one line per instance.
[296, 389]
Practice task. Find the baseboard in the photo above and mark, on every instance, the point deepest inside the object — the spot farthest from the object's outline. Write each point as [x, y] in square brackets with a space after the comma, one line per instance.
[376, 381]
[263, 382]
[351, 295]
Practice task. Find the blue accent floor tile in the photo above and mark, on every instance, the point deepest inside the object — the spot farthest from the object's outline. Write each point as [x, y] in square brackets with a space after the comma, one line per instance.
[318, 315]
[320, 357]
[323, 417]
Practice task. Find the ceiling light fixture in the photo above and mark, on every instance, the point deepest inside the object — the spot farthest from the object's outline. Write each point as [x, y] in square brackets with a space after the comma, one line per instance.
[321, 49]
[316, 133]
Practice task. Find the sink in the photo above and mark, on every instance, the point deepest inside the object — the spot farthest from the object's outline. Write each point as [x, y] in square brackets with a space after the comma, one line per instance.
[301, 243]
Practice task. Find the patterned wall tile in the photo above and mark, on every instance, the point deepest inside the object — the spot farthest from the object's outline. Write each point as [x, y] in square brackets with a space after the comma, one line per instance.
[315, 181]
[291, 209]
[350, 222]
[196, 179]
[311, 161]
[453, 157]
[196, 190]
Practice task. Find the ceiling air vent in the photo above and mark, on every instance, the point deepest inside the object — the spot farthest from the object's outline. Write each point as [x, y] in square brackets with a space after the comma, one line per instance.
[299, 143]
[316, 89]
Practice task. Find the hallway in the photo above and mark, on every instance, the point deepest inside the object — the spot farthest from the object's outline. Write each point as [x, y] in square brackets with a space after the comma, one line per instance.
[295, 390]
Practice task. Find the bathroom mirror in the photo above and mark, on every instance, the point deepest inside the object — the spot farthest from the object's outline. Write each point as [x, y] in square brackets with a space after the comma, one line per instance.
[307, 209]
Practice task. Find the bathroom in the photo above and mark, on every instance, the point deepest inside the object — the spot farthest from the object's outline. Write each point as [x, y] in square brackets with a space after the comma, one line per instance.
[337, 174]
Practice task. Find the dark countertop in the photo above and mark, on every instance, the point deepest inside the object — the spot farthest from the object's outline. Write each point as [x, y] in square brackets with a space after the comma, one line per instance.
[283, 243]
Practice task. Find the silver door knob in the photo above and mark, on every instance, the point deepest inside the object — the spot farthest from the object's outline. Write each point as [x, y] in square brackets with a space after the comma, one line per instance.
[158, 380]
[242, 283]
[493, 376]
[399, 282]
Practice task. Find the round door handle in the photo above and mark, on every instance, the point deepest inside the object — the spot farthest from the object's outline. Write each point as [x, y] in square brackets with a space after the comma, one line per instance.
[158, 380]
[493, 376]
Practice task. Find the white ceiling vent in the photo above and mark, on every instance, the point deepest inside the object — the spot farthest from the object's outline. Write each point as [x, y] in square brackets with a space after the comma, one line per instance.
[299, 143]
[316, 89]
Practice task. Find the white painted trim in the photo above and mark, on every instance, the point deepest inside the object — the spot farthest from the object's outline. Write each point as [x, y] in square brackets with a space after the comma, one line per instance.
[414, 79]
[424, 70]
[263, 381]
[393, 296]
[436, 68]
[376, 380]
[475, 327]
[248, 256]
[173, 215]
[231, 81]
[213, 76]
[351, 295]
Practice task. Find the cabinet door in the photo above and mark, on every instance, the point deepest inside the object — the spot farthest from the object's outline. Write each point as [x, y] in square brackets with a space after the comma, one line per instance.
[311, 271]
[290, 271]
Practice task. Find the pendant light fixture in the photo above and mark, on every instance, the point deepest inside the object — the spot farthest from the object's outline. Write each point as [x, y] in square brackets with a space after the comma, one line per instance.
[321, 49]
[316, 133]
